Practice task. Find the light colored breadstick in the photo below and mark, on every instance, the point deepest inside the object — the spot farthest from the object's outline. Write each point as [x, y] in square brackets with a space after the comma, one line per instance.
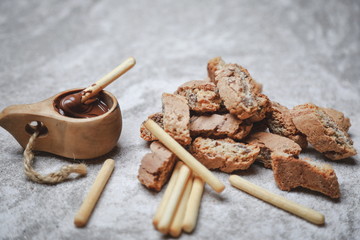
[95, 88]
[176, 225]
[184, 155]
[193, 205]
[277, 200]
[167, 194]
[174, 200]
[92, 197]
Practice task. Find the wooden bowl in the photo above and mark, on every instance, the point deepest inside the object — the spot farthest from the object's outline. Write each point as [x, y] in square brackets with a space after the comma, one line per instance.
[76, 138]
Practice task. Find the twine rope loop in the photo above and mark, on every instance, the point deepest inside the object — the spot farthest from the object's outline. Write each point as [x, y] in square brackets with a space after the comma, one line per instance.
[51, 178]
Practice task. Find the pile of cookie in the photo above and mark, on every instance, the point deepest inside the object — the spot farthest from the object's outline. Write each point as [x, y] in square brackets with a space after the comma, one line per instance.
[223, 122]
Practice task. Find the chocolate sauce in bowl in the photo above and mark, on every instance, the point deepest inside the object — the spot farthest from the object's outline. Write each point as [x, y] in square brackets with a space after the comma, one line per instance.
[70, 105]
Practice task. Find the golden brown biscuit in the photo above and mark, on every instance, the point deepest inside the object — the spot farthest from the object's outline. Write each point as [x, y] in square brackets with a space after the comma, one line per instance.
[224, 154]
[291, 172]
[176, 117]
[219, 126]
[322, 132]
[156, 167]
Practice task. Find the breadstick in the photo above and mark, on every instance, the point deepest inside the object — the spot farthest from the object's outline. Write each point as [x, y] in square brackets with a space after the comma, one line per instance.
[95, 88]
[184, 155]
[174, 199]
[83, 215]
[277, 200]
[176, 225]
[167, 194]
[193, 205]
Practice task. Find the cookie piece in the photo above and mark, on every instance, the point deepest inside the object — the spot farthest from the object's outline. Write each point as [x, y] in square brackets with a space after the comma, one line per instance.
[238, 91]
[290, 172]
[340, 119]
[145, 133]
[279, 121]
[219, 126]
[156, 167]
[202, 95]
[224, 154]
[216, 64]
[176, 117]
[270, 144]
[322, 132]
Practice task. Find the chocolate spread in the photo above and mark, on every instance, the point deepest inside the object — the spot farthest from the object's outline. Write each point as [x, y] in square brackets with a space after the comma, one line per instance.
[71, 106]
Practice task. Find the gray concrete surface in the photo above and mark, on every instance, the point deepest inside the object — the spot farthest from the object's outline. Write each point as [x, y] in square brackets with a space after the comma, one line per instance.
[302, 51]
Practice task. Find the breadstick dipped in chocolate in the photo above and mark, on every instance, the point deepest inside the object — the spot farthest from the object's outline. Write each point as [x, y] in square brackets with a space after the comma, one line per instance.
[88, 102]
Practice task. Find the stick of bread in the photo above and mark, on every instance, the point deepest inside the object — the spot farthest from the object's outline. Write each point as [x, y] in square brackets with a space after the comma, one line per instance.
[82, 216]
[95, 88]
[277, 200]
[167, 194]
[192, 209]
[174, 199]
[185, 156]
[176, 225]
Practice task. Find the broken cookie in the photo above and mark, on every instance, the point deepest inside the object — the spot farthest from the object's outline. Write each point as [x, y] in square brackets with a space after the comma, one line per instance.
[224, 154]
[322, 132]
[238, 91]
[219, 126]
[176, 117]
[291, 172]
[156, 167]
[216, 64]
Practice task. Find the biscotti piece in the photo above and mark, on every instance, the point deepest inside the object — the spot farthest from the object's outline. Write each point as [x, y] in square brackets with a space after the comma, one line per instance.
[342, 121]
[156, 167]
[202, 96]
[224, 154]
[290, 172]
[237, 90]
[322, 132]
[176, 117]
[219, 126]
[216, 64]
[145, 133]
[270, 144]
[279, 121]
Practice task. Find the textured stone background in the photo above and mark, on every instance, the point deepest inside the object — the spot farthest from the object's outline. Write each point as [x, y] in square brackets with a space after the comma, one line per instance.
[302, 51]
